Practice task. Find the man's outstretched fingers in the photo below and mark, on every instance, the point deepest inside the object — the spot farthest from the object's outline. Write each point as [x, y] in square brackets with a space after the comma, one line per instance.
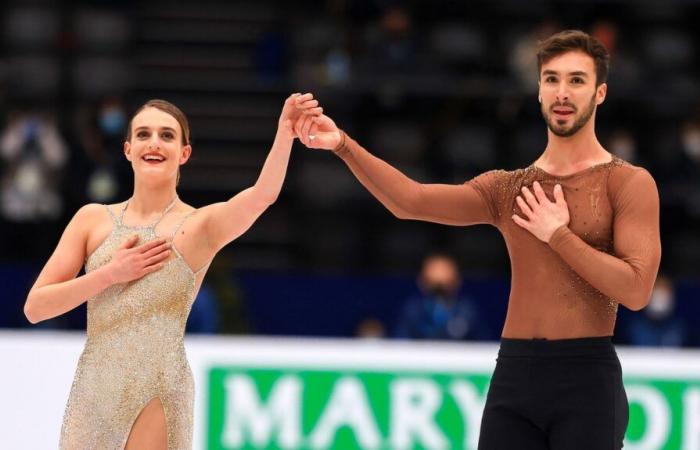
[539, 192]
[559, 194]
[524, 207]
[531, 200]
[305, 128]
[520, 221]
[312, 132]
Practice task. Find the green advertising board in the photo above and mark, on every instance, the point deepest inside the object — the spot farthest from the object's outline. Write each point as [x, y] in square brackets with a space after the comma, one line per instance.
[299, 408]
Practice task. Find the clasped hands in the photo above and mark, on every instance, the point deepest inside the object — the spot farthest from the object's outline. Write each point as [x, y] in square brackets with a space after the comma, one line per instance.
[305, 120]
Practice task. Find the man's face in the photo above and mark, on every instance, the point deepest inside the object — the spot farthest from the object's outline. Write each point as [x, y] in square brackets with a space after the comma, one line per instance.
[568, 92]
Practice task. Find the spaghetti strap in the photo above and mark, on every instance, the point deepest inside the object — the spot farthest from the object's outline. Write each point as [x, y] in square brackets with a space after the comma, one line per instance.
[198, 271]
[184, 218]
[182, 221]
[165, 211]
[154, 224]
[121, 214]
[111, 214]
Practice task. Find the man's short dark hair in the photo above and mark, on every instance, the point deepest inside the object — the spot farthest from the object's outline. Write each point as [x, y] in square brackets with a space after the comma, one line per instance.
[571, 41]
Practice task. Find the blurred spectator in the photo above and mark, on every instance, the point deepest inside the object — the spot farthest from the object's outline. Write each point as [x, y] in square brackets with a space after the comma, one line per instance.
[370, 328]
[622, 144]
[203, 318]
[690, 169]
[658, 325]
[232, 314]
[523, 55]
[392, 43]
[606, 32]
[97, 172]
[34, 154]
[271, 55]
[439, 312]
[680, 172]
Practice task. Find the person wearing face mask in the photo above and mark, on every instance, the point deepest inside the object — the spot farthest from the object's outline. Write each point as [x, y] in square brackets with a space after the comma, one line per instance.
[99, 173]
[688, 172]
[440, 313]
[660, 325]
[145, 259]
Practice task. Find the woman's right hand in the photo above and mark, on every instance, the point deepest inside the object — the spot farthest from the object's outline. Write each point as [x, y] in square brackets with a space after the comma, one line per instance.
[131, 263]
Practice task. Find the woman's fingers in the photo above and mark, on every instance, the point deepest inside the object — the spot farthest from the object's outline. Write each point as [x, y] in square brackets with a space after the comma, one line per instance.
[313, 111]
[303, 98]
[150, 245]
[130, 242]
[156, 250]
[291, 98]
[307, 104]
[153, 268]
[297, 126]
[156, 259]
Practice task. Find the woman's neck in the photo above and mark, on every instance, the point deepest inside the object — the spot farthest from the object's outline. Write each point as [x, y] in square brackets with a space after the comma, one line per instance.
[151, 200]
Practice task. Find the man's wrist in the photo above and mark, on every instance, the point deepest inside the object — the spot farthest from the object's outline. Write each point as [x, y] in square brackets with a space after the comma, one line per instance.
[557, 233]
[341, 148]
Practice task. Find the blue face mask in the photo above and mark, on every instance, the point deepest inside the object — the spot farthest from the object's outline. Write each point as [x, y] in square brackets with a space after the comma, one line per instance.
[112, 121]
[439, 292]
[31, 128]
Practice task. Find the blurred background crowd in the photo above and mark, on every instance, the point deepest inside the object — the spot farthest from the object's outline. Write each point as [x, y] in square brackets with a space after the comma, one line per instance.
[443, 90]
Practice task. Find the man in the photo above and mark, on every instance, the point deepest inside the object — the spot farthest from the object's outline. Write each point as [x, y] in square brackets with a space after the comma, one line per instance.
[582, 230]
[440, 312]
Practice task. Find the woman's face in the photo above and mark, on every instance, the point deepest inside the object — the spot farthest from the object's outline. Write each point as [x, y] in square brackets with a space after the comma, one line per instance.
[155, 150]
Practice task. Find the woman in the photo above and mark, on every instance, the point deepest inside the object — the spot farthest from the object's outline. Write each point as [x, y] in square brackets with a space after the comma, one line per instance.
[144, 261]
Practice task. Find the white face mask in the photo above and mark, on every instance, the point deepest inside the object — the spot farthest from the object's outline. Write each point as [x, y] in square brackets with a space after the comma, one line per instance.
[661, 303]
[28, 178]
[691, 143]
[624, 148]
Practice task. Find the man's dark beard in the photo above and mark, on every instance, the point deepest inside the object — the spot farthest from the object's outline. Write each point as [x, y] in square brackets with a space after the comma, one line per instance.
[576, 125]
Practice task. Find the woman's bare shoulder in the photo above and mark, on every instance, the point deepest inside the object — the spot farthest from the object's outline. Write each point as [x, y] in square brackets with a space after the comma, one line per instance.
[94, 213]
[184, 211]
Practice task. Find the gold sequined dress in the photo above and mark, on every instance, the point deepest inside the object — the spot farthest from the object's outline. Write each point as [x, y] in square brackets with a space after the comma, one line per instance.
[134, 351]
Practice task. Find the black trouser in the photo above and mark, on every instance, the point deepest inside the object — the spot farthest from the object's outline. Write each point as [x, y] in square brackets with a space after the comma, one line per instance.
[555, 395]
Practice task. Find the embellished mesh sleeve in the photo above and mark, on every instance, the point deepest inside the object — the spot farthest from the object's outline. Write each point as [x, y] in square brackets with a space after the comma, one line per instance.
[463, 204]
[627, 276]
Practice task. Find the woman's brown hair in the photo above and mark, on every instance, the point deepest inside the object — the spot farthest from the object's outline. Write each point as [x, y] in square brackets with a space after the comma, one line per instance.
[169, 108]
